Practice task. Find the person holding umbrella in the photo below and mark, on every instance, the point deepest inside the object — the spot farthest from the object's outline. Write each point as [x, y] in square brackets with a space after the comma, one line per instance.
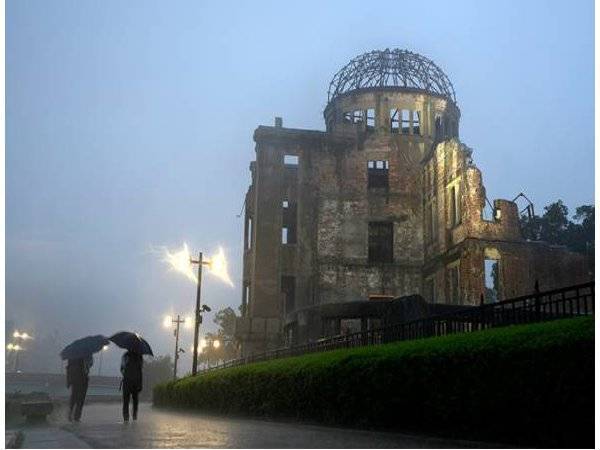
[80, 360]
[131, 368]
[77, 379]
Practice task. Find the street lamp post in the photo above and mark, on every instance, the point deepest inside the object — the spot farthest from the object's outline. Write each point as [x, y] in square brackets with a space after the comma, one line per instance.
[198, 315]
[104, 348]
[19, 337]
[16, 348]
[178, 321]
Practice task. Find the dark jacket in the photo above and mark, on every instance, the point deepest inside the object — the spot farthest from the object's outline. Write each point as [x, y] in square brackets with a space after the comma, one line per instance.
[78, 371]
[131, 369]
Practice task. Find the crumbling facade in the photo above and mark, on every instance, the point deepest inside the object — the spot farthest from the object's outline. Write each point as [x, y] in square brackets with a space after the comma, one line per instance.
[385, 203]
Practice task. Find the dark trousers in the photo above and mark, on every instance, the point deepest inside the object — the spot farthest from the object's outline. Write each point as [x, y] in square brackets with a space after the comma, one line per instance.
[78, 392]
[128, 392]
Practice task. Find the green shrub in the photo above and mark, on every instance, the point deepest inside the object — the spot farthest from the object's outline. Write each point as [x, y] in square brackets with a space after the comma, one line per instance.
[524, 385]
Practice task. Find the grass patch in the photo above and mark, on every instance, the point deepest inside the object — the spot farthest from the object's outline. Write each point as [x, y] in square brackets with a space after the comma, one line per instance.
[524, 385]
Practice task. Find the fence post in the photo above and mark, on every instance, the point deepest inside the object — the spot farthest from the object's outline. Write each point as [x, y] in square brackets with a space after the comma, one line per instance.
[537, 300]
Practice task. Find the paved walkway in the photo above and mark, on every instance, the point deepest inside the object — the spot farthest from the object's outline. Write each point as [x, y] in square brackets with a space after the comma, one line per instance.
[102, 427]
[49, 436]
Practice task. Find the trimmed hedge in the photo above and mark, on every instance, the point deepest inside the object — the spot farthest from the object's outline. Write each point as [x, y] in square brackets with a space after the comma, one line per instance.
[524, 385]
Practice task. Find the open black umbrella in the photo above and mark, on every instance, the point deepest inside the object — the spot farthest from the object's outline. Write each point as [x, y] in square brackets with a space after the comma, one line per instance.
[84, 347]
[132, 342]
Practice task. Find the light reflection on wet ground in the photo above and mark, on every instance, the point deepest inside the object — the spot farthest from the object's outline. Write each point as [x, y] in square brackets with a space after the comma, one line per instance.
[158, 428]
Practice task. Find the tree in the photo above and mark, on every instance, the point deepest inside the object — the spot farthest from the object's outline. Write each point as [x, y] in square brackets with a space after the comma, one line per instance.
[225, 319]
[555, 228]
[228, 349]
[555, 223]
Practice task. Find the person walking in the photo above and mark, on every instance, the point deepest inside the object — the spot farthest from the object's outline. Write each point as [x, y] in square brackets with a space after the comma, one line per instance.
[131, 369]
[77, 379]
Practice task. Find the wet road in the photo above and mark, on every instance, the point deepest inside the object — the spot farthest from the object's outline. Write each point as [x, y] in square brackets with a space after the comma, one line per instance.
[157, 428]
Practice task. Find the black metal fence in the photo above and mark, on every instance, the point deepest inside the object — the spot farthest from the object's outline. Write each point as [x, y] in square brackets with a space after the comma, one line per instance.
[560, 303]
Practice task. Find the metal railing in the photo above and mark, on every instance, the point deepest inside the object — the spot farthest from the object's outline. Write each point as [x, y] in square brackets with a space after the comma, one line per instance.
[539, 306]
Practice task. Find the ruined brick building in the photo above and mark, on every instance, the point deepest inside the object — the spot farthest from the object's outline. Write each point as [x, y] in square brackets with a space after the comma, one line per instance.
[385, 203]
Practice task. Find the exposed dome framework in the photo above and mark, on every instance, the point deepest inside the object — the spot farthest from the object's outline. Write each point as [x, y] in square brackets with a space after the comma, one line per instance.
[391, 68]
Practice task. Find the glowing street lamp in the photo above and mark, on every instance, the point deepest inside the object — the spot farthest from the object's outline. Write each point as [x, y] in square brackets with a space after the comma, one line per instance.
[217, 266]
[104, 348]
[16, 348]
[167, 322]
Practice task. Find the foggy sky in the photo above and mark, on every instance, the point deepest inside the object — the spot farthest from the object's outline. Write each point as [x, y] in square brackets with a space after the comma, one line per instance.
[129, 125]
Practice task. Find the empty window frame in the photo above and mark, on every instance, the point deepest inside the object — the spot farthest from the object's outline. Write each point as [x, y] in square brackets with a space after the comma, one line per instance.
[378, 174]
[358, 116]
[289, 219]
[405, 121]
[381, 242]
[455, 210]
[248, 233]
[439, 129]
[347, 117]
[290, 160]
[394, 121]
[492, 280]
[284, 235]
[487, 213]
[288, 289]
[245, 299]
[453, 284]
[370, 119]
[416, 122]
[430, 222]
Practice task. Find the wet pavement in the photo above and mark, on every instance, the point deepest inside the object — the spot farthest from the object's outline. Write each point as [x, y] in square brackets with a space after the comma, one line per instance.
[101, 427]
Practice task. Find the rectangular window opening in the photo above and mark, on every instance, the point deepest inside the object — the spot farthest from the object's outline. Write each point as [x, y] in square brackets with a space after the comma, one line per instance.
[288, 288]
[492, 280]
[453, 285]
[249, 233]
[284, 235]
[289, 221]
[246, 299]
[378, 174]
[405, 121]
[381, 242]
[290, 160]
[347, 118]
[455, 212]
[357, 116]
[416, 122]
[370, 119]
[439, 131]
[395, 121]
[487, 213]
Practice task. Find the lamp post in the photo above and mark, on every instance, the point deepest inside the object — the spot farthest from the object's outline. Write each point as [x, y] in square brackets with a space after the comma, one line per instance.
[16, 348]
[104, 348]
[198, 314]
[19, 337]
[178, 321]
[183, 262]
